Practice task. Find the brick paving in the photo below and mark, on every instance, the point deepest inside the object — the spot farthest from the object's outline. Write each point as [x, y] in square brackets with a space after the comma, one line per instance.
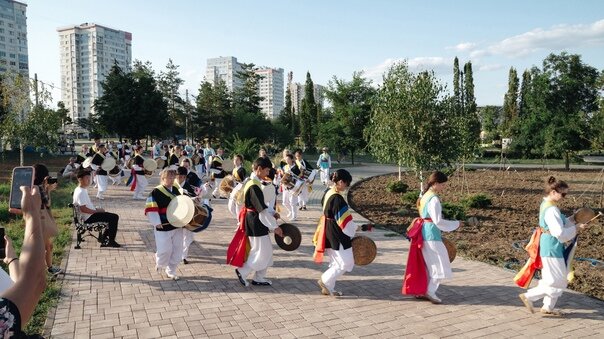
[115, 293]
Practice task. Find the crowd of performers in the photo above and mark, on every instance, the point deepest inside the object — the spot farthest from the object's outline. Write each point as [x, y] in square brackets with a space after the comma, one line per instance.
[197, 172]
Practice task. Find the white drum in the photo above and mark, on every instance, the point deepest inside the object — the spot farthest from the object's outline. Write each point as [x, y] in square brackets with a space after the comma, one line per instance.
[180, 211]
[109, 163]
[87, 162]
[149, 165]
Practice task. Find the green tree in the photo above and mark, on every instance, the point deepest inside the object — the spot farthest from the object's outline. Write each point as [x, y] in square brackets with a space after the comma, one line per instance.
[63, 113]
[113, 109]
[213, 117]
[250, 121]
[409, 121]
[456, 78]
[149, 109]
[489, 119]
[351, 103]
[572, 97]
[524, 88]
[308, 115]
[510, 104]
[169, 83]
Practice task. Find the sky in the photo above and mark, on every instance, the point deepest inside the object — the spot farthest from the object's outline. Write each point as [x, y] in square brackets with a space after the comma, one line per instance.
[332, 38]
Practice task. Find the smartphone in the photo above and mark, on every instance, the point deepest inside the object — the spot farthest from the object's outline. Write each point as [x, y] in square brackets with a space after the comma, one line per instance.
[51, 180]
[2, 244]
[22, 176]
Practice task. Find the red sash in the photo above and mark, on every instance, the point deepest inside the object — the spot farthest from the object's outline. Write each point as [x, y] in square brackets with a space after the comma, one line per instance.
[133, 175]
[415, 280]
[526, 273]
[239, 248]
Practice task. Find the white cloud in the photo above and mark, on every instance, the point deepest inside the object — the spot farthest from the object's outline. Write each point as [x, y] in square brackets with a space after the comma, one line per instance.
[555, 38]
[464, 46]
[439, 65]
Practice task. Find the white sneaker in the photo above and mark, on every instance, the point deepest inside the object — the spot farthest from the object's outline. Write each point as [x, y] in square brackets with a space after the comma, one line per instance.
[173, 276]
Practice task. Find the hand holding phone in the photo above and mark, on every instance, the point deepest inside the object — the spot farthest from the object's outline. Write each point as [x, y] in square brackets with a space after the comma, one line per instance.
[2, 244]
[22, 176]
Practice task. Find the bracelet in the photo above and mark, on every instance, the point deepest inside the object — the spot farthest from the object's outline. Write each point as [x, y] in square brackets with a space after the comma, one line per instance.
[11, 261]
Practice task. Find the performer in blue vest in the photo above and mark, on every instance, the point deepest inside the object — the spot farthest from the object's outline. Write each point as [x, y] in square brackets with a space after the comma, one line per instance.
[427, 245]
[556, 229]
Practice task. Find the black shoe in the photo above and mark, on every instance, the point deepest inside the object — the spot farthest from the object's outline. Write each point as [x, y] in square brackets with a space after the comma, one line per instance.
[262, 283]
[304, 208]
[241, 280]
[300, 208]
[55, 270]
[111, 244]
[185, 261]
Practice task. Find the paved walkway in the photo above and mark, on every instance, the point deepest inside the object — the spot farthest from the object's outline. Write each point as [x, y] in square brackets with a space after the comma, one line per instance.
[115, 293]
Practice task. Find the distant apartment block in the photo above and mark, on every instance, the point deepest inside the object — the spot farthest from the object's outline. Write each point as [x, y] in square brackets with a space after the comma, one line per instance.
[225, 69]
[297, 93]
[270, 86]
[88, 52]
[13, 37]
[271, 89]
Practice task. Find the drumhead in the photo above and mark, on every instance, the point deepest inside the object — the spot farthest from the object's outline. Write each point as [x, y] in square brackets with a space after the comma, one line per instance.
[109, 163]
[149, 165]
[87, 162]
[180, 211]
[228, 166]
[364, 250]
[160, 162]
[584, 214]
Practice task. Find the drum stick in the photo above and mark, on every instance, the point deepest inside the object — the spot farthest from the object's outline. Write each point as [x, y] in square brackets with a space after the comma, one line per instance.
[594, 218]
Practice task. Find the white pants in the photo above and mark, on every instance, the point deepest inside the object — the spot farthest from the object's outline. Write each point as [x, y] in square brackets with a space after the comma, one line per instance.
[290, 201]
[303, 196]
[141, 184]
[437, 264]
[101, 181]
[187, 238]
[553, 282]
[169, 249]
[325, 175]
[340, 262]
[259, 259]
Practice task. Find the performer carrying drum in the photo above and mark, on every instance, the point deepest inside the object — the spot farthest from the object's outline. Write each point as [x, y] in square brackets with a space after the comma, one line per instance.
[290, 200]
[101, 164]
[168, 238]
[428, 263]
[255, 222]
[139, 182]
[334, 234]
[304, 167]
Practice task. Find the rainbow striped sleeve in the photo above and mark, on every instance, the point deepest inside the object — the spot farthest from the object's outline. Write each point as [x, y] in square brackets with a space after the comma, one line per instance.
[343, 217]
[151, 205]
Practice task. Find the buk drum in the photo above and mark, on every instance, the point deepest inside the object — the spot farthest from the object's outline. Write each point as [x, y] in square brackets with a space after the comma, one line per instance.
[180, 211]
[195, 159]
[87, 162]
[201, 218]
[288, 181]
[160, 162]
[226, 185]
[115, 171]
[451, 249]
[108, 163]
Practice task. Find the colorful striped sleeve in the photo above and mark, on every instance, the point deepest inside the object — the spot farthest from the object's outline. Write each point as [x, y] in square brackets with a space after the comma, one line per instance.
[151, 205]
[343, 217]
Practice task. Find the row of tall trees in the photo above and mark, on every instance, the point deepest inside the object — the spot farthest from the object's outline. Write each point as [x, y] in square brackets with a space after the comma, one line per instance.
[553, 112]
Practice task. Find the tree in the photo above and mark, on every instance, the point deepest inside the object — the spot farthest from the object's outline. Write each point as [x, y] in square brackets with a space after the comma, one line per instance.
[351, 103]
[64, 115]
[456, 77]
[25, 123]
[409, 121]
[114, 109]
[489, 119]
[308, 115]
[169, 84]
[524, 88]
[213, 111]
[510, 104]
[149, 109]
[573, 94]
[250, 121]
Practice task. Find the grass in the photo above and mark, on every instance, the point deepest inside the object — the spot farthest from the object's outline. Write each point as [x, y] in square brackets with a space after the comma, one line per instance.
[14, 229]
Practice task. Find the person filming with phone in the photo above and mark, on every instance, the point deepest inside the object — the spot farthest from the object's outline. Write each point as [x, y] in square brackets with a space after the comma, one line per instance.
[46, 184]
[17, 302]
[92, 214]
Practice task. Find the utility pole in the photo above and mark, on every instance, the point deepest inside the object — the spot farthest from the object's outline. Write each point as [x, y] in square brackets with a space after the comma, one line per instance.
[187, 114]
[36, 87]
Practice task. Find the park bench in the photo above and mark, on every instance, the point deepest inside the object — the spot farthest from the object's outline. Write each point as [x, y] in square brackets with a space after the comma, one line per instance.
[84, 229]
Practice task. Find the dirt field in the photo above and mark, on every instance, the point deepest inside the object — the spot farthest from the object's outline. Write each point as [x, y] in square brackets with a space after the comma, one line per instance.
[516, 196]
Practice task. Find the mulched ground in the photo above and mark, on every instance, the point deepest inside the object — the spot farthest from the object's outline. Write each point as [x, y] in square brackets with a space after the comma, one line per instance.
[507, 224]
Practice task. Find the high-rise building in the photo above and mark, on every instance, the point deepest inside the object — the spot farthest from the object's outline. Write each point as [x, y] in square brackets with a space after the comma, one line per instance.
[270, 88]
[225, 69]
[297, 93]
[88, 52]
[13, 37]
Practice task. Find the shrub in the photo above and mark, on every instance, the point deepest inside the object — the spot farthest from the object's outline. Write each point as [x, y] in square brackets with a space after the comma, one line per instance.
[397, 186]
[454, 211]
[410, 197]
[477, 201]
[4, 215]
[4, 190]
